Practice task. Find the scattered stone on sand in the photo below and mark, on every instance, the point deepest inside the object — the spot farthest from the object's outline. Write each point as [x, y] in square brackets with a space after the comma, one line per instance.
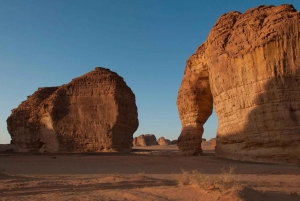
[248, 69]
[94, 112]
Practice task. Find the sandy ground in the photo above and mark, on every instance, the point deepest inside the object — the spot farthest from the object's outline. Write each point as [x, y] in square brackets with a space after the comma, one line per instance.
[148, 173]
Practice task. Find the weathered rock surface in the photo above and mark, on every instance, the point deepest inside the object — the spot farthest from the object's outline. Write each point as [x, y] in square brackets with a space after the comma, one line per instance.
[249, 69]
[194, 102]
[94, 112]
[163, 141]
[144, 140]
[213, 142]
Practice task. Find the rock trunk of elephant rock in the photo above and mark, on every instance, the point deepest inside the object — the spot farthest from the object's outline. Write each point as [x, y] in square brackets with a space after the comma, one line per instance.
[195, 103]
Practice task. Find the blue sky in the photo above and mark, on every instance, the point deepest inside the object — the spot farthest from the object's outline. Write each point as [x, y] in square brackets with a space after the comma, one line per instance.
[147, 42]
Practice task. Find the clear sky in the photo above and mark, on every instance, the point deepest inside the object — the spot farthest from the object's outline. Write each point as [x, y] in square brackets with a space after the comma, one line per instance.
[47, 43]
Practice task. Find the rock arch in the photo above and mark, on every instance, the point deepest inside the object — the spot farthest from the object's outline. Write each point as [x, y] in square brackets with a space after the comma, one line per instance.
[248, 68]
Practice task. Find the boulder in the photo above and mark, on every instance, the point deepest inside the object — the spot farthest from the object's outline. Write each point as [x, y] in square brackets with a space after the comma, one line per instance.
[163, 141]
[173, 142]
[248, 69]
[144, 140]
[94, 112]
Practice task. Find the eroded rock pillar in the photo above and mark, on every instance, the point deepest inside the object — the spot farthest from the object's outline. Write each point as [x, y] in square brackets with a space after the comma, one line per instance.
[195, 104]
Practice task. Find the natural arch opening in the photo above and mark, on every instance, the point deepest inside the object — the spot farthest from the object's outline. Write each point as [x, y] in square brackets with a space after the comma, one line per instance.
[195, 105]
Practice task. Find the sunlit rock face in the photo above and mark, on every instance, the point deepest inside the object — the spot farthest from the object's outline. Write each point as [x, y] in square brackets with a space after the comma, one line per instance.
[94, 112]
[248, 68]
[194, 102]
[163, 141]
[144, 140]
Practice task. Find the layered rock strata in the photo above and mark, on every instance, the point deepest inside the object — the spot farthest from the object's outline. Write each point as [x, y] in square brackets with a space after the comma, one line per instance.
[195, 103]
[144, 140]
[248, 68]
[94, 112]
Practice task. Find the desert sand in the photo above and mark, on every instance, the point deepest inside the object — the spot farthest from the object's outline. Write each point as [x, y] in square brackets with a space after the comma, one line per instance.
[147, 173]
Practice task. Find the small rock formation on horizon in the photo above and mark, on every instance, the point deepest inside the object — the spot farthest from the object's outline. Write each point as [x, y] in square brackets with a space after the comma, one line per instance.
[163, 141]
[94, 112]
[248, 69]
[144, 140]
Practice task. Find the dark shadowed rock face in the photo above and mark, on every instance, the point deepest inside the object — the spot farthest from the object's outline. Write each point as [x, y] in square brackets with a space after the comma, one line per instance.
[144, 140]
[94, 112]
[249, 69]
[23, 124]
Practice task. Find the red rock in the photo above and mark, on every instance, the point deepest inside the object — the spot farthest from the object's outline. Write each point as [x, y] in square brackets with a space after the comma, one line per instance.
[163, 141]
[144, 140]
[94, 112]
[249, 69]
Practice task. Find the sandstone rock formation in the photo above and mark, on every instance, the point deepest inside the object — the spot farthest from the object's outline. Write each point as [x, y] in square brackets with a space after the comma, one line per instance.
[144, 140]
[213, 142]
[94, 112]
[249, 69]
[163, 141]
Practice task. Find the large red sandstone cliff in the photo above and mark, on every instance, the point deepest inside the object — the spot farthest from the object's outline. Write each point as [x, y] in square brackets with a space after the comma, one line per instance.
[94, 112]
[249, 70]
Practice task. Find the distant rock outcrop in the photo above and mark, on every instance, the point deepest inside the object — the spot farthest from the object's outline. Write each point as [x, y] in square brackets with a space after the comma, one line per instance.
[249, 69]
[94, 112]
[163, 141]
[173, 142]
[144, 140]
[213, 142]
